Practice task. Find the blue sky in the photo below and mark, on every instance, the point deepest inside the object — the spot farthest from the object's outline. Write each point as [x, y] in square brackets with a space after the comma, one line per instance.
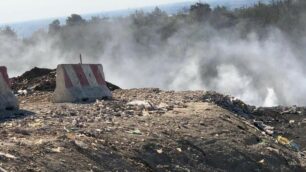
[24, 10]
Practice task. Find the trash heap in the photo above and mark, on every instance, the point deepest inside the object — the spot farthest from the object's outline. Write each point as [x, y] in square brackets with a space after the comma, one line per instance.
[36, 79]
[228, 102]
[39, 79]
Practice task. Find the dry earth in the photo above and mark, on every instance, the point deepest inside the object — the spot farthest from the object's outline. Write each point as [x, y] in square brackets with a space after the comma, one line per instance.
[162, 131]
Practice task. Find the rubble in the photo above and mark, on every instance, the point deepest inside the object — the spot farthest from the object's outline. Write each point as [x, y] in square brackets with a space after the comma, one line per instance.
[230, 103]
[150, 130]
[267, 129]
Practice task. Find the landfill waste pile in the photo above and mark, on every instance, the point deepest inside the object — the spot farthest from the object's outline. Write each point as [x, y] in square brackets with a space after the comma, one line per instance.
[148, 130]
[40, 79]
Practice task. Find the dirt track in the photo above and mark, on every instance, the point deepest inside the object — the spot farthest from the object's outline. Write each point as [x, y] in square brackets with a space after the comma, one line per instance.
[177, 131]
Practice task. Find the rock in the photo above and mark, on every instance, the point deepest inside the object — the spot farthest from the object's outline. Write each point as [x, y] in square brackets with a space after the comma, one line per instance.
[81, 144]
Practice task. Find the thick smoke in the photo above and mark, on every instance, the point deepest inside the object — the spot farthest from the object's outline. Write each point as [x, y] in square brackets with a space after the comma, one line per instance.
[262, 69]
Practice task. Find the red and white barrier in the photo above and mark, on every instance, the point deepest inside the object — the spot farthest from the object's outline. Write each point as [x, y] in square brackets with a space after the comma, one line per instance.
[8, 100]
[80, 83]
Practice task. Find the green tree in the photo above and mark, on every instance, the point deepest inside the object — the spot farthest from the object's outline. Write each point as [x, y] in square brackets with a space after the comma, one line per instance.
[200, 11]
[8, 31]
[75, 19]
[54, 27]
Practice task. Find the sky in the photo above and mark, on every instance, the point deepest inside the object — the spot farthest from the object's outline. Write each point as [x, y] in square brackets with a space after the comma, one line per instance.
[24, 10]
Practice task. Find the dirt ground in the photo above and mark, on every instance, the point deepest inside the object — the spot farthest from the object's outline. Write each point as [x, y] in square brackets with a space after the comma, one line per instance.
[145, 130]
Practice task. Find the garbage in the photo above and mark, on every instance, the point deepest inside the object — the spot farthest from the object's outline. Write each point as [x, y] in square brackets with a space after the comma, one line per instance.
[261, 161]
[160, 151]
[292, 110]
[136, 132]
[7, 155]
[291, 122]
[22, 92]
[282, 140]
[230, 103]
[179, 149]
[267, 129]
[144, 104]
[295, 146]
[57, 150]
[290, 143]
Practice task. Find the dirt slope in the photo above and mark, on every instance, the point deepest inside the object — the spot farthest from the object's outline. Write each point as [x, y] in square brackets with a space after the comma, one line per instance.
[169, 131]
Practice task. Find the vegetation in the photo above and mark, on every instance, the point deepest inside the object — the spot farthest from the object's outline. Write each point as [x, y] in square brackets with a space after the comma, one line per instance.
[286, 15]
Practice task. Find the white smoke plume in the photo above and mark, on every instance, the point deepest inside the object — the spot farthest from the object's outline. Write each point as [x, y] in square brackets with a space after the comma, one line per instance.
[264, 70]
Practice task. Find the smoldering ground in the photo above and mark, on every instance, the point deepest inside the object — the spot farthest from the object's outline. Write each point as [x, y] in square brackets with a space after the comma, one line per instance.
[156, 50]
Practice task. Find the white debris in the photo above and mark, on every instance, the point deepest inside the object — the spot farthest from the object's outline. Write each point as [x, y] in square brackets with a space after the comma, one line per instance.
[10, 156]
[145, 104]
[22, 92]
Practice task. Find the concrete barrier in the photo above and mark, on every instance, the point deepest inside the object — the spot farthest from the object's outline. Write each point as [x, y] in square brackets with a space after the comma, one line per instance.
[8, 100]
[80, 83]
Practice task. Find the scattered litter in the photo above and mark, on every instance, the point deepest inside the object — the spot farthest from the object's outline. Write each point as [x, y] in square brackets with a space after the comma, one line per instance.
[230, 103]
[144, 104]
[273, 150]
[290, 143]
[136, 132]
[261, 161]
[291, 122]
[295, 146]
[70, 129]
[282, 140]
[292, 110]
[22, 92]
[57, 150]
[263, 127]
[7, 155]
[160, 151]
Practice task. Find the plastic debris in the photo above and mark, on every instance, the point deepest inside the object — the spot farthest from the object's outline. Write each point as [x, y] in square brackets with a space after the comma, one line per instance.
[57, 150]
[144, 104]
[290, 143]
[282, 140]
[179, 149]
[295, 146]
[160, 151]
[267, 129]
[136, 132]
[261, 161]
[291, 122]
[22, 92]
[7, 155]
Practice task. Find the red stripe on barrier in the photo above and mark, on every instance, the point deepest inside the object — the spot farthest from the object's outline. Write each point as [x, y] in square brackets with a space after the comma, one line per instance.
[68, 82]
[3, 71]
[98, 75]
[81, 75]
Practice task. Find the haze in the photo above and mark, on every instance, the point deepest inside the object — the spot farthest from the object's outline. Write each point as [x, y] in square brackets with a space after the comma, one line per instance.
[25, 10]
